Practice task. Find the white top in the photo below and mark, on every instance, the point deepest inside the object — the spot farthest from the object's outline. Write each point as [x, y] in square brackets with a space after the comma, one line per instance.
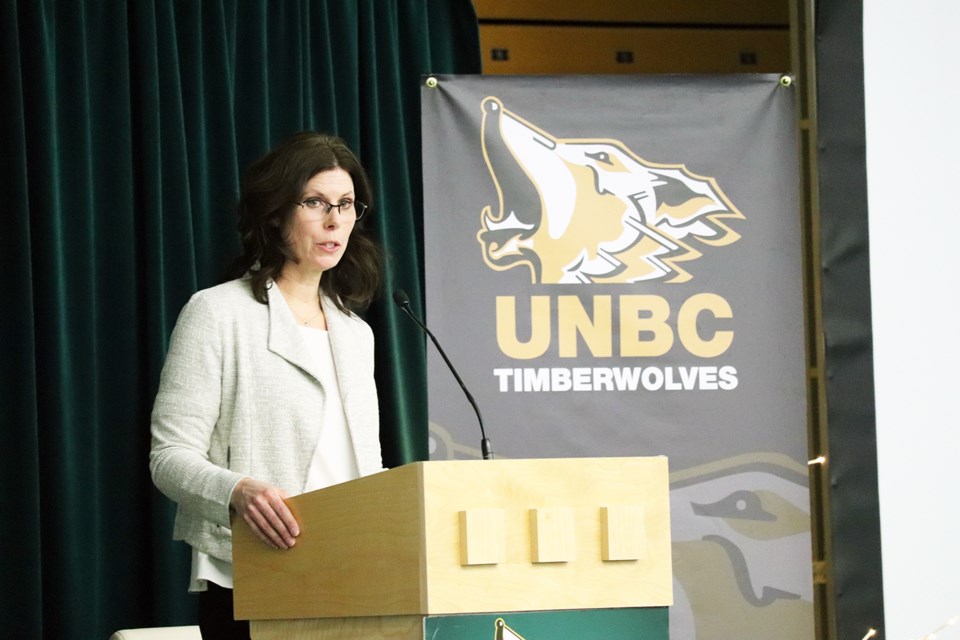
[333, 460]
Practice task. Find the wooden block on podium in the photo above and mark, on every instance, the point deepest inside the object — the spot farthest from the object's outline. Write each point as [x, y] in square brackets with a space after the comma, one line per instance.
[552, 535]
[622, 533]
[481, 537]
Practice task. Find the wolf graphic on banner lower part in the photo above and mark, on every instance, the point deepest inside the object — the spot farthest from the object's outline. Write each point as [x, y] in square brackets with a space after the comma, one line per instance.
[741, 512]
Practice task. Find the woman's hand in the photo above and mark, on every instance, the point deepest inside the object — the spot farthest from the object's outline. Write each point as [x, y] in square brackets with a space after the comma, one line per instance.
[262, 507]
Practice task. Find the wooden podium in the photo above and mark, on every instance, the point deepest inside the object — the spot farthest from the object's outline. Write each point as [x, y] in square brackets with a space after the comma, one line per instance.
[379, 556]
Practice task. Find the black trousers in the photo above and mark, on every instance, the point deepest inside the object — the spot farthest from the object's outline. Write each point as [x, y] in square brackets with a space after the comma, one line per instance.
[215, 615]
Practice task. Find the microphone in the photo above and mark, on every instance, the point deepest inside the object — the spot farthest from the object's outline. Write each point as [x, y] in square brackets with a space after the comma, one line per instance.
[403, 301]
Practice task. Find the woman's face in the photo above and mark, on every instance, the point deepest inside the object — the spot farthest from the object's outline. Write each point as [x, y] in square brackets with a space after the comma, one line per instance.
[318, 236]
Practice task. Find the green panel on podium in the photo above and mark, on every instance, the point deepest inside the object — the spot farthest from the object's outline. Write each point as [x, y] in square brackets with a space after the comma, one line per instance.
[649, 623]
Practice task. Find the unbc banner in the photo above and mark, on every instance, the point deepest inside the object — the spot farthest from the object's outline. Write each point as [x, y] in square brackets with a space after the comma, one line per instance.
[613, 264]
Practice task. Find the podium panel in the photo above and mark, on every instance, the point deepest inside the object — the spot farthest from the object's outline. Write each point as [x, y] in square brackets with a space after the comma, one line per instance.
[587, 624]
[467, 536]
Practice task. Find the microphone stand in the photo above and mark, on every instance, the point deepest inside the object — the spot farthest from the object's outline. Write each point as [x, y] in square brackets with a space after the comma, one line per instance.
[403, 301]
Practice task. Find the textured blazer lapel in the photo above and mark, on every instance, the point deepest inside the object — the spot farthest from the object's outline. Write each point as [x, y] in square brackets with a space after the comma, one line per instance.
[353, 358]
[346, 356]
[284, 334]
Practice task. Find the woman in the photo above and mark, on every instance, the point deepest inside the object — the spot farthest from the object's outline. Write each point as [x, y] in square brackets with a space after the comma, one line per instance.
[268, 390]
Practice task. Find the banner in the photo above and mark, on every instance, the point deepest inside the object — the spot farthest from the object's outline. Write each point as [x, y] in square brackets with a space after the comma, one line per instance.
[613, 265]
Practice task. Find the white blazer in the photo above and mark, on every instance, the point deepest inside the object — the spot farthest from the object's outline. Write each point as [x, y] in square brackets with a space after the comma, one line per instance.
[237, 398]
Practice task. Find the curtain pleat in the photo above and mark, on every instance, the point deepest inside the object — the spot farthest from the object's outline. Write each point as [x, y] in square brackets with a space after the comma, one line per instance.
[124, 130]
[20, 496]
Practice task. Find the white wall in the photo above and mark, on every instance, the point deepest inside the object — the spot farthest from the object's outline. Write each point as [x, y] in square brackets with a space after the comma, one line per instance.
[912, 67]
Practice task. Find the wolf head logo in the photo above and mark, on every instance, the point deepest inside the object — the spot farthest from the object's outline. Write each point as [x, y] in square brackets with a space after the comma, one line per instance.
[591, 211]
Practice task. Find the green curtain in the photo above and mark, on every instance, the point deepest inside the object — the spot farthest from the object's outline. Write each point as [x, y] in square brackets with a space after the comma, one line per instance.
[124, 128]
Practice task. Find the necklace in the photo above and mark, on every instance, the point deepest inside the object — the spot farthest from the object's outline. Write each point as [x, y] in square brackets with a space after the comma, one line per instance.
[297, 315]
[307, 322]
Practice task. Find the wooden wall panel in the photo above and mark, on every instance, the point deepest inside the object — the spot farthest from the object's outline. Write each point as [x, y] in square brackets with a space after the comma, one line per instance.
[707, 12]
[552, 49]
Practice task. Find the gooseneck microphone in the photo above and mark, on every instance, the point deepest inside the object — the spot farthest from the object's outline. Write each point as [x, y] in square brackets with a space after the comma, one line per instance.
[403, 301]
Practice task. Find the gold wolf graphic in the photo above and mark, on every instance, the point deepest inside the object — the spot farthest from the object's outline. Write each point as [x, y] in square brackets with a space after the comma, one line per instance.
[592, 211]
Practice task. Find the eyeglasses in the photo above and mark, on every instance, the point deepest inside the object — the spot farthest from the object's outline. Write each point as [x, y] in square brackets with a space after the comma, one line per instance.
[345, 208]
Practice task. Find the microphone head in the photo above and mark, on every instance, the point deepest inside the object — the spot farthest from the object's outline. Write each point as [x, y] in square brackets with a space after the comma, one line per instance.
[401, 298]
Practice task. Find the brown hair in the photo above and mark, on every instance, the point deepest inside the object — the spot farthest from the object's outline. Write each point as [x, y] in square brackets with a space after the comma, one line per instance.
[269, 192]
